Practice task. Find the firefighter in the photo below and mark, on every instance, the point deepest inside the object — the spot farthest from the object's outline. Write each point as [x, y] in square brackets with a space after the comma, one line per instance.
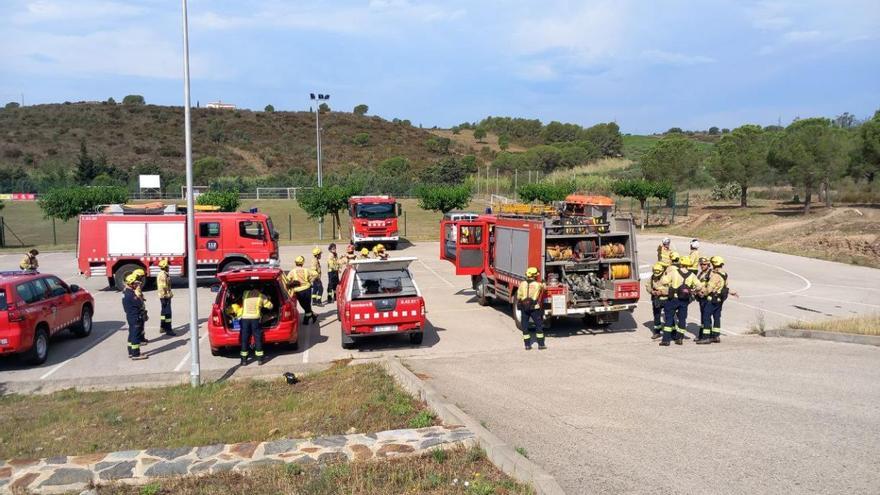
[658, 287]
[379, 252]
[29, 262]
[365, 254]
[141, 277]
[317, 286]
[301, 278]
[133, 307]
[716, 291]
[704, 271]
[664, 251]
[529, 296]
[333, 265]
[163, 286]
[682, 286]
[252, 304]
[695, 254]
[348, 257]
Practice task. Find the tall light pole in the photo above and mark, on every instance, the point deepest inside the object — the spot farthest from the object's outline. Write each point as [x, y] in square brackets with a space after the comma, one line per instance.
[319, 99]
[195, 371]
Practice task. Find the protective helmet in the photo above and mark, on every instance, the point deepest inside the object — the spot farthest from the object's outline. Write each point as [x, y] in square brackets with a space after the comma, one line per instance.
[379, 248]
[163, 263]
[695, 244]
[365, 251]
[666, 241]
[299, 261]
[331, 247]
[716, 261]
[531, 272]
[703, 260]
[350, 248]
[316, 251]
[685, 261]
[139, 272]
[131, 278]
[658, 268]
[674, 257]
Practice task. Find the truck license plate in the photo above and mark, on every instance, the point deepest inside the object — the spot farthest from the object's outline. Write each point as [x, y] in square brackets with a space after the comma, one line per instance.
[385, 328]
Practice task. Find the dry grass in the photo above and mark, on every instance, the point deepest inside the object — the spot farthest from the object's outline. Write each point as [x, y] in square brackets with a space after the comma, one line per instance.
[438, 473]
[602, 166]
[325, 403]
[466, 141]
[859, 325]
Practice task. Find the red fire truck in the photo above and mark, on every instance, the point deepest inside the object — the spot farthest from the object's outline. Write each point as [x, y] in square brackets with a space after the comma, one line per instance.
[122, 239]
[374, 220]
[586, 254]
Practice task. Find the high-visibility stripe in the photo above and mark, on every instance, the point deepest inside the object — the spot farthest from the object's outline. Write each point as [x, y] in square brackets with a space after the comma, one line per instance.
[539, 335]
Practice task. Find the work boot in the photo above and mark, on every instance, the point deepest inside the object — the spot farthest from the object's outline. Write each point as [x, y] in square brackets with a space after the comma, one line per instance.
[170, 333]
[716, 337]
[664, 343]
[656, 335]
[243, 361]
[541, 347]
[261, 360]
[704, 340]
[139, 357]
[528, 347]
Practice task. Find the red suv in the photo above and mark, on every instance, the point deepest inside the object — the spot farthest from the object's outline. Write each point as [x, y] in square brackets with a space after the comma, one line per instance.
[36, 306]
[280, 324]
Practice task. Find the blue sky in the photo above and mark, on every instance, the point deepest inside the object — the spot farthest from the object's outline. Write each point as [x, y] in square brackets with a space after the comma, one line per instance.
[647, 65]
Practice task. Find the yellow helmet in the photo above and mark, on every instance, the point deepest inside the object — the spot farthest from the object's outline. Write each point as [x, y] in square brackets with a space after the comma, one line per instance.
[674, 257]
[658, 268]
[365, 252]
[716, 261]
[316, 251]
[685, 261]
[139, 272]
[163, 263]
[299, 261]
[131, 278]
[531, 272]
[379, 248]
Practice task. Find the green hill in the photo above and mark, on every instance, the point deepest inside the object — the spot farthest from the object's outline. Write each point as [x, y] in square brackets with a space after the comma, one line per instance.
[41, 139]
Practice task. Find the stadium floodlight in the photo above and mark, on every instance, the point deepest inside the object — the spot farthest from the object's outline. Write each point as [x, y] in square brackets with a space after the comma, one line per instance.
[318, 151]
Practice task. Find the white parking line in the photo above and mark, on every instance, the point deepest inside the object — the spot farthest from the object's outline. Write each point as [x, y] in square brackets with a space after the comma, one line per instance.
[306, 346]
[188, 354]
[78, 354]
[840, 301]
[450, 284]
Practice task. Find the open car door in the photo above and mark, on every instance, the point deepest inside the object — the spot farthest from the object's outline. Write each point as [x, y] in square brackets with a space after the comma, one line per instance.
[470, 247]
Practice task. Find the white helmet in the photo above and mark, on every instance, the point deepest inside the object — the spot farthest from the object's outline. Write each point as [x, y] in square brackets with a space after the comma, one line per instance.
[666, 241]
[695, 244]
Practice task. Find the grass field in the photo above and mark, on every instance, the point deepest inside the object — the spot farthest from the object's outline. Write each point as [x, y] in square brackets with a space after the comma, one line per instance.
[331, 402]
[25, 224]
[860, 325]
[443, 472]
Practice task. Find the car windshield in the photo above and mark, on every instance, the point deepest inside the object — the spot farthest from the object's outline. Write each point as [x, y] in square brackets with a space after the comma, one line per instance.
[375, 210]
[3, 304]
[384, 283]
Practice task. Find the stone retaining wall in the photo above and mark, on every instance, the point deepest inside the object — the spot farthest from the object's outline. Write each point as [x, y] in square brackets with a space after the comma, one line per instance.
[69, 473]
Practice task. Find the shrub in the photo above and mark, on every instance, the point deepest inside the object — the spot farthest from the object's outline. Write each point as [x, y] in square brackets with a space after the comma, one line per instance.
[437, 144]
[68, 202]
[545, 192]
[269, 108]
[723, 192]
[133, 100]
[443, 198]
[226, 200]
[361, 109]
[361, 139]
[207, 168]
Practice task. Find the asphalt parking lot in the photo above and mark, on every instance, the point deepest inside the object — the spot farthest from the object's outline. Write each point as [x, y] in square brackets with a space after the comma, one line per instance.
[775, 288]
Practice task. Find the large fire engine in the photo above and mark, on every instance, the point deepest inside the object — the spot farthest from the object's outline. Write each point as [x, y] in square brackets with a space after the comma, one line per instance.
[374, 220]
[586, 254]
[122, 239]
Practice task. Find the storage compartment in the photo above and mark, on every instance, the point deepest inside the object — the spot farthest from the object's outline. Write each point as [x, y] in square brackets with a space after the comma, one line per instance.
[269, 288]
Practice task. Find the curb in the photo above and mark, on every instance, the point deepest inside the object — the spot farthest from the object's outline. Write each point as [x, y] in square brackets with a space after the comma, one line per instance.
[162, 379]
[848, 338]
[501, 454]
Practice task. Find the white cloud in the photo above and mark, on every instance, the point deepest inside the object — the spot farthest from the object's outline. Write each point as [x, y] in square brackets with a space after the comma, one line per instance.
[662, 57]
[42, 11]
[769, 16]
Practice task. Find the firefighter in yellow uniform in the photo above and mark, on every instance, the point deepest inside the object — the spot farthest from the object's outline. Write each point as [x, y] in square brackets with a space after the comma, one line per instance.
[317, 286]
[365, 254]
[141, 277]
[163, 286]
[695, 255]
[379, 252]
[29, 262]
[657, 286]
[253, 302]
[301, 279]
[333, 266]
[682, 286]
[664, 251]
[529, 297]
[347, 258]
[716, 291]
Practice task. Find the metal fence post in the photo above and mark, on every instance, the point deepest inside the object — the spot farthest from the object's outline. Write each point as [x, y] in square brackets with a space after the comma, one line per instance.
[54, 234]
[290, 226]
[404, 223]
[2, 232]
[672, 221]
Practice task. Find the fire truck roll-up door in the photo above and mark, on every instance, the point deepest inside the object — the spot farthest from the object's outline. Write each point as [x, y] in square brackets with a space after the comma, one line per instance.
[511, 250]
[470, 248]
[126, 239]
[166, 238]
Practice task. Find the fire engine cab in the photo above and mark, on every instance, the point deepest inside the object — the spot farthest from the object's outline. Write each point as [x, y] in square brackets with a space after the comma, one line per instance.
[374, 220]
[586, 255]
[124, 238]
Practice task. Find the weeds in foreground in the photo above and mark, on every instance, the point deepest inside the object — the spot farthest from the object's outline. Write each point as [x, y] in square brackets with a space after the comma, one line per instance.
[859, 325]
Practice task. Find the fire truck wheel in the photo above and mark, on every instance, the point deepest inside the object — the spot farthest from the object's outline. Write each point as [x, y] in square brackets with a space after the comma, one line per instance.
[517, 315]
[233, 265]
[215, 351]
[347, 341]
[482, 297]
[416, 338]
[122, 272]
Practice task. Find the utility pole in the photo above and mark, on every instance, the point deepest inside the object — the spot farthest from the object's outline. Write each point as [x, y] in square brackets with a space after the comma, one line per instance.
[195, 370]
[318, 99]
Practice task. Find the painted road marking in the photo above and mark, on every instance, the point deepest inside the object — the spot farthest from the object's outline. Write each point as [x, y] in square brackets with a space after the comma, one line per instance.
[188, 354]
[78, 354]
[807, 283]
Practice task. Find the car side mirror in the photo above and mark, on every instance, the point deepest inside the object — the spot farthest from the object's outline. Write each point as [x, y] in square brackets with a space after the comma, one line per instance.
[74, 288]
[275, 236]
[215, 288]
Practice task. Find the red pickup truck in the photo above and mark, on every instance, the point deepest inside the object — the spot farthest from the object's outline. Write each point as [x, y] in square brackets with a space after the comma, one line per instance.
[379, 297]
